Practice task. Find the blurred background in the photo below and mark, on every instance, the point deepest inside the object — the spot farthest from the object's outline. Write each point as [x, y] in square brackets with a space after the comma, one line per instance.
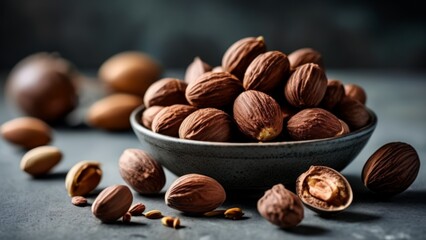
[360, 34]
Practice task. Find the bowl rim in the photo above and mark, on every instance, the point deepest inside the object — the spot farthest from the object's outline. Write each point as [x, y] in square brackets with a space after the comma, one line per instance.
[137, 126]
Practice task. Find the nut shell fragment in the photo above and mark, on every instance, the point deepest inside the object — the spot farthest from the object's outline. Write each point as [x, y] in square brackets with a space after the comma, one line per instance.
[82, 178]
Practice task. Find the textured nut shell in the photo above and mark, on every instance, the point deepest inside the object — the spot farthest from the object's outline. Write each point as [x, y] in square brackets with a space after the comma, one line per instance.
[314, 123]
[141, 171]
[266, 71]
[112, 112]
[241, 53]
[27, 132]
[345, 195]
[169, 119]
[129, 72]
[82, 178]
[165, 92]
[391, 169]
[306, 87]
[353, 112]
[149, 114]
[39, 161]
[213, 89]
[258, 115]
[195, 69]
[356, 92]
[333, 95]
[112, 203]
[281, 207]
[207, 124]
[195, 193]
[305, 55]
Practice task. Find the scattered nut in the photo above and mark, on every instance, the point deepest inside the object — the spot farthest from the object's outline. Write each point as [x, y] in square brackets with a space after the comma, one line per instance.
[127, 217]
[173, 222]
[112, 203]
[281, 207]
[234, 213]
[26, 132]
[149, 114]
[305, 55]
[79, 201]
[169, 119]
[356, 92]
[215, 213]
[141, 171]
[324, 190]
[82, 178]
[137, 209]
[153, 214]
[353, 112]
[196, 69]
[165, 92]
[391, 169]
[40, 160]
[195, 193]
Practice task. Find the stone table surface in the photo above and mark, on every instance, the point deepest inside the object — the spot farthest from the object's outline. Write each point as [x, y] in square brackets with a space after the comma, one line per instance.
[41, 209]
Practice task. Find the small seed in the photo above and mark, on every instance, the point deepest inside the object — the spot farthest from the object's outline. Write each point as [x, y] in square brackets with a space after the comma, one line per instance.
[234, 213]
[171, 222]
[137, 209]
[127, 217]
[176, 223]
[79, 201]
[153, 214]
[215, 213]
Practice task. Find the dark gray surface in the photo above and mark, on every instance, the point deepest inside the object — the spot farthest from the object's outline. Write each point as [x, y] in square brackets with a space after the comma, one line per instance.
[40, 208]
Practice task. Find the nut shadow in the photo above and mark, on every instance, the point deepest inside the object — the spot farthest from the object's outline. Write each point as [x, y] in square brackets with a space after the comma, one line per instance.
[351, 217]
[51, 176]
[159, 195]
[306, 230]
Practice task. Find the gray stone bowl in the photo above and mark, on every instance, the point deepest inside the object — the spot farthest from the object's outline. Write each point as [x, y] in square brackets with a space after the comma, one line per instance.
[251, 165]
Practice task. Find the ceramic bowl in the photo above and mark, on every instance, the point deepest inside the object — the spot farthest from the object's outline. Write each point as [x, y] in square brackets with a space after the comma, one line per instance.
[251, 165]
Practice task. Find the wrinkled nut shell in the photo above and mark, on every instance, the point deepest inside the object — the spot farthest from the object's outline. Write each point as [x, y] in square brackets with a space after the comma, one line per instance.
[195, 193]
[39, 161]
[391, 169]
[165, 92]
[324, 190]
[141, 171]
[149, 114]
[82, 178]
[305, 55]
[112, 203]
[168, 120]
[196, 69]
[281, 207]
[26, 132]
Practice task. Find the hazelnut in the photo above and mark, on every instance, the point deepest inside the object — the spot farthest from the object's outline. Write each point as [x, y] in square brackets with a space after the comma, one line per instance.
[26, 132]
[258, 115]
[333, 95]
[213, 89]
[281, 207]
[324, 190]
[112, 203]
[241, 53]
[195, 193]
[356, 92]
[306, 86]
[266, 71]
[314, 123]
[207, 124]
[353, 112]
[165, 92]
[149, 114]
[391, 169]
[141, 171]
[168, 120]
[195, 69]
[305, 55]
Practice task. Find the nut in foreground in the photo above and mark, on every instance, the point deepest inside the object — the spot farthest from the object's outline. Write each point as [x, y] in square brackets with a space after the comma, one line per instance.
[39, 161]
[112, 203]
[82, 178]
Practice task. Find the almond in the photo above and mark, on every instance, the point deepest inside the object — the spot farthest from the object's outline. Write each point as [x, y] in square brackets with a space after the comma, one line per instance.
[353, 112]
[169, 119]
[195, 69]
[305, 55]
[356, 92]
[165, 92]
[40, 160]
[27, 132]
[333, 95]
[112, 203]
[149, 114]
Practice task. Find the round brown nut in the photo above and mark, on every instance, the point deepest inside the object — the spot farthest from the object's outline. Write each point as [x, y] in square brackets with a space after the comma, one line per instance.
[82, 178]
[281, 207]
[315, 123]
[26, 132]
[333, 95]
[149, 114]
[165, 92]
[195, 193]
[266, 71]
[40, 160]
[305, 55]
[324, 190]
[258, 115]
[112, 203]
[391, 169]
[356, 92]
[213, 89]
[353, 112]
[306, 86]
[241, 53]
[129, 72]
[169, 119]
[207, 124]
[112, 113]
[141, 171]
[196, 69]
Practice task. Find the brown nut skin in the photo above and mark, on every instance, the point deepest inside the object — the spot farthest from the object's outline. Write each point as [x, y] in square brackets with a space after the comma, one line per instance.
[258, 115]
[305, 55]
[353, 112]
[207, 124]
[241, 53]
[141, 171]
[356, 92]
[26, 132]
[112, 203]
[83, 178]
[149, 114]
[195, 193]
[169, 119]
[213, 89]
[281, 207]
[195, 69]
[391, 169]
[314, 123]
[165, 92]
[324, 190]
[333, 95]
[306, 86]
[40, 160]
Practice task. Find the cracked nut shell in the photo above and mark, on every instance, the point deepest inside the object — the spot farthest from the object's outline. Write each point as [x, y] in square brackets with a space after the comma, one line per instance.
[82, 178]
[165, 92]
[112, 203]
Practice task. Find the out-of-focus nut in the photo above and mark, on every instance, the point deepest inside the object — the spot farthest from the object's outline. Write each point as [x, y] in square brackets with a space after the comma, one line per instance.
[353, 112]
[40, 160]
[26, 132]
[82, 178]
[165, 92]
[149, 114]
[153, 214]
[333, 95]
[356, 92]
[234, 213]
[137, 209]
[196, 69]
[169, 119]
[305, 55]
[79, 201]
